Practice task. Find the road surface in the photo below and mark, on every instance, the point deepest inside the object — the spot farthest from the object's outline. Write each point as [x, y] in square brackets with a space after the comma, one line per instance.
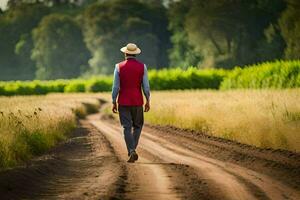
[173, 164]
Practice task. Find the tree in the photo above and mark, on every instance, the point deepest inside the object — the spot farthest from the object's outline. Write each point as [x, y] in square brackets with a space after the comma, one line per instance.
[182, 54]
[23, 52]
[110, 25]
[14, 3]
[290, 29]
[226, 33]
[15, 27]
[59, 50]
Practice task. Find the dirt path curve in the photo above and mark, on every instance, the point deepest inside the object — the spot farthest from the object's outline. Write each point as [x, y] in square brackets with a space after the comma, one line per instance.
[173, 164]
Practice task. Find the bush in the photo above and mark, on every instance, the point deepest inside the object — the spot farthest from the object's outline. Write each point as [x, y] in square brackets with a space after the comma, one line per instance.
[75, 86]
[100, 84]
[10, 88]
[279, 74]
[192, 78]
[164, 79]
[55, 86]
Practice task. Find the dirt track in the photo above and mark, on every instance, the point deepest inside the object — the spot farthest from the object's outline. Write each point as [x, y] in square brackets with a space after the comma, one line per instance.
[173, 164]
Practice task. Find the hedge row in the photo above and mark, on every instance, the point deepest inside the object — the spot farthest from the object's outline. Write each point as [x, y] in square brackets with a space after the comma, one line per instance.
[192, 78]
[59, 86]
[159, 79]
[279, 74]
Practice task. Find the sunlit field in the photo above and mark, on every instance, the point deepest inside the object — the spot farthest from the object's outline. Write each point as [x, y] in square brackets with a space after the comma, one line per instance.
[264, 118]
[31, 125]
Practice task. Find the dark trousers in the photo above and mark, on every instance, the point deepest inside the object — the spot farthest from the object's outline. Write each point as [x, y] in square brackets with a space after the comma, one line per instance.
[132, 120]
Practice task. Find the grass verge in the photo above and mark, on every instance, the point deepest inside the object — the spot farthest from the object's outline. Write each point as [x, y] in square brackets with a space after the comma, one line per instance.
[32, 125]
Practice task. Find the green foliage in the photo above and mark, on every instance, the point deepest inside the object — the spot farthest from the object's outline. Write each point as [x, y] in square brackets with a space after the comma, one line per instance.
[59, 50]
[50, 39]
[37, 142]
[99, 84]
[223, 33]
[31, 87]
[290, 28]
[165, 79]
[279, 74]
[192, 78]
[75, 86]
[182, 53]
[16, 25]
[109, 25]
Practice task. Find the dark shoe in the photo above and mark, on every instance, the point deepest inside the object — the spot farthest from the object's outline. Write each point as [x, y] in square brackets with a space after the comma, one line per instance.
[133, 157]
[136, 156]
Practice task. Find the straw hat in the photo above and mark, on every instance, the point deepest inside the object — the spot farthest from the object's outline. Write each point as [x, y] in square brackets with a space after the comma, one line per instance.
[131, 48]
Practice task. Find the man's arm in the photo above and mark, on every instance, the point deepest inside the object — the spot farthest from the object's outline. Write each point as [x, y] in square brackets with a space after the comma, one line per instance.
[115, 88]
[146, 88]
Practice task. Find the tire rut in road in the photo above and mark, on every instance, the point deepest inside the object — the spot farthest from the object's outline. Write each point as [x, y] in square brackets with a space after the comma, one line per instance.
[184, 182]
[192, 160]
[221, 185]
[145, 179]
[264, 184]
[279, 164]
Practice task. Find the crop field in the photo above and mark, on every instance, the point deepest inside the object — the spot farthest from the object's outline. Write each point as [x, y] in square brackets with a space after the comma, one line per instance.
[31, 125]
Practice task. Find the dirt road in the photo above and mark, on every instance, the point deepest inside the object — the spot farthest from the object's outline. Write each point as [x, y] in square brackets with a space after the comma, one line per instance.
[173, 164]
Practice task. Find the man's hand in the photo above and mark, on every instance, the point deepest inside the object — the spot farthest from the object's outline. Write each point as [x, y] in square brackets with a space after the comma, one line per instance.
[147, 106]
[114, 108]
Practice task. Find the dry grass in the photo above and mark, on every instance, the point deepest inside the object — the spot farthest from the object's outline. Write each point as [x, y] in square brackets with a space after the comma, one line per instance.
[31, 125]
[264, 118]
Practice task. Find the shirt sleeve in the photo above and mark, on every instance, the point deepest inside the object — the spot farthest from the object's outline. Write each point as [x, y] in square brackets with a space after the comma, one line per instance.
[116, 84]
[145, 84]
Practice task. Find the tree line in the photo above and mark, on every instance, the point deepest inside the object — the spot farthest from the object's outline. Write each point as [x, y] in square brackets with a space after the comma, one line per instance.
[53, 39]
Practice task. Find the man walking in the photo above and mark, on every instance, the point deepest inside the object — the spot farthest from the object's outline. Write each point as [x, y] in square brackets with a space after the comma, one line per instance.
[129, 77]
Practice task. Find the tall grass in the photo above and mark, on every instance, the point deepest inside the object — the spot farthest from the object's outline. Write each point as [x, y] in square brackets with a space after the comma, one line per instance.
[264, 118]
[31, 125]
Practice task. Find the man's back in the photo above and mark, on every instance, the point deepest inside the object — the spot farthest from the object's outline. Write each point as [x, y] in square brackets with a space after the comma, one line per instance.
[131, 74]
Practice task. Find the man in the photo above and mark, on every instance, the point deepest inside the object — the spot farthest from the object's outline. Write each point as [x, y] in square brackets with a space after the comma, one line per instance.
[129, 77]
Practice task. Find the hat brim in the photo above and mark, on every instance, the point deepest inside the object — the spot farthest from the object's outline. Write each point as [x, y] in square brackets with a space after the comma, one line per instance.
[125, 50]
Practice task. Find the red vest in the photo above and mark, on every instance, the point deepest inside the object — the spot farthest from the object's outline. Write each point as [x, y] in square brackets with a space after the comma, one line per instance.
[131, 74]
